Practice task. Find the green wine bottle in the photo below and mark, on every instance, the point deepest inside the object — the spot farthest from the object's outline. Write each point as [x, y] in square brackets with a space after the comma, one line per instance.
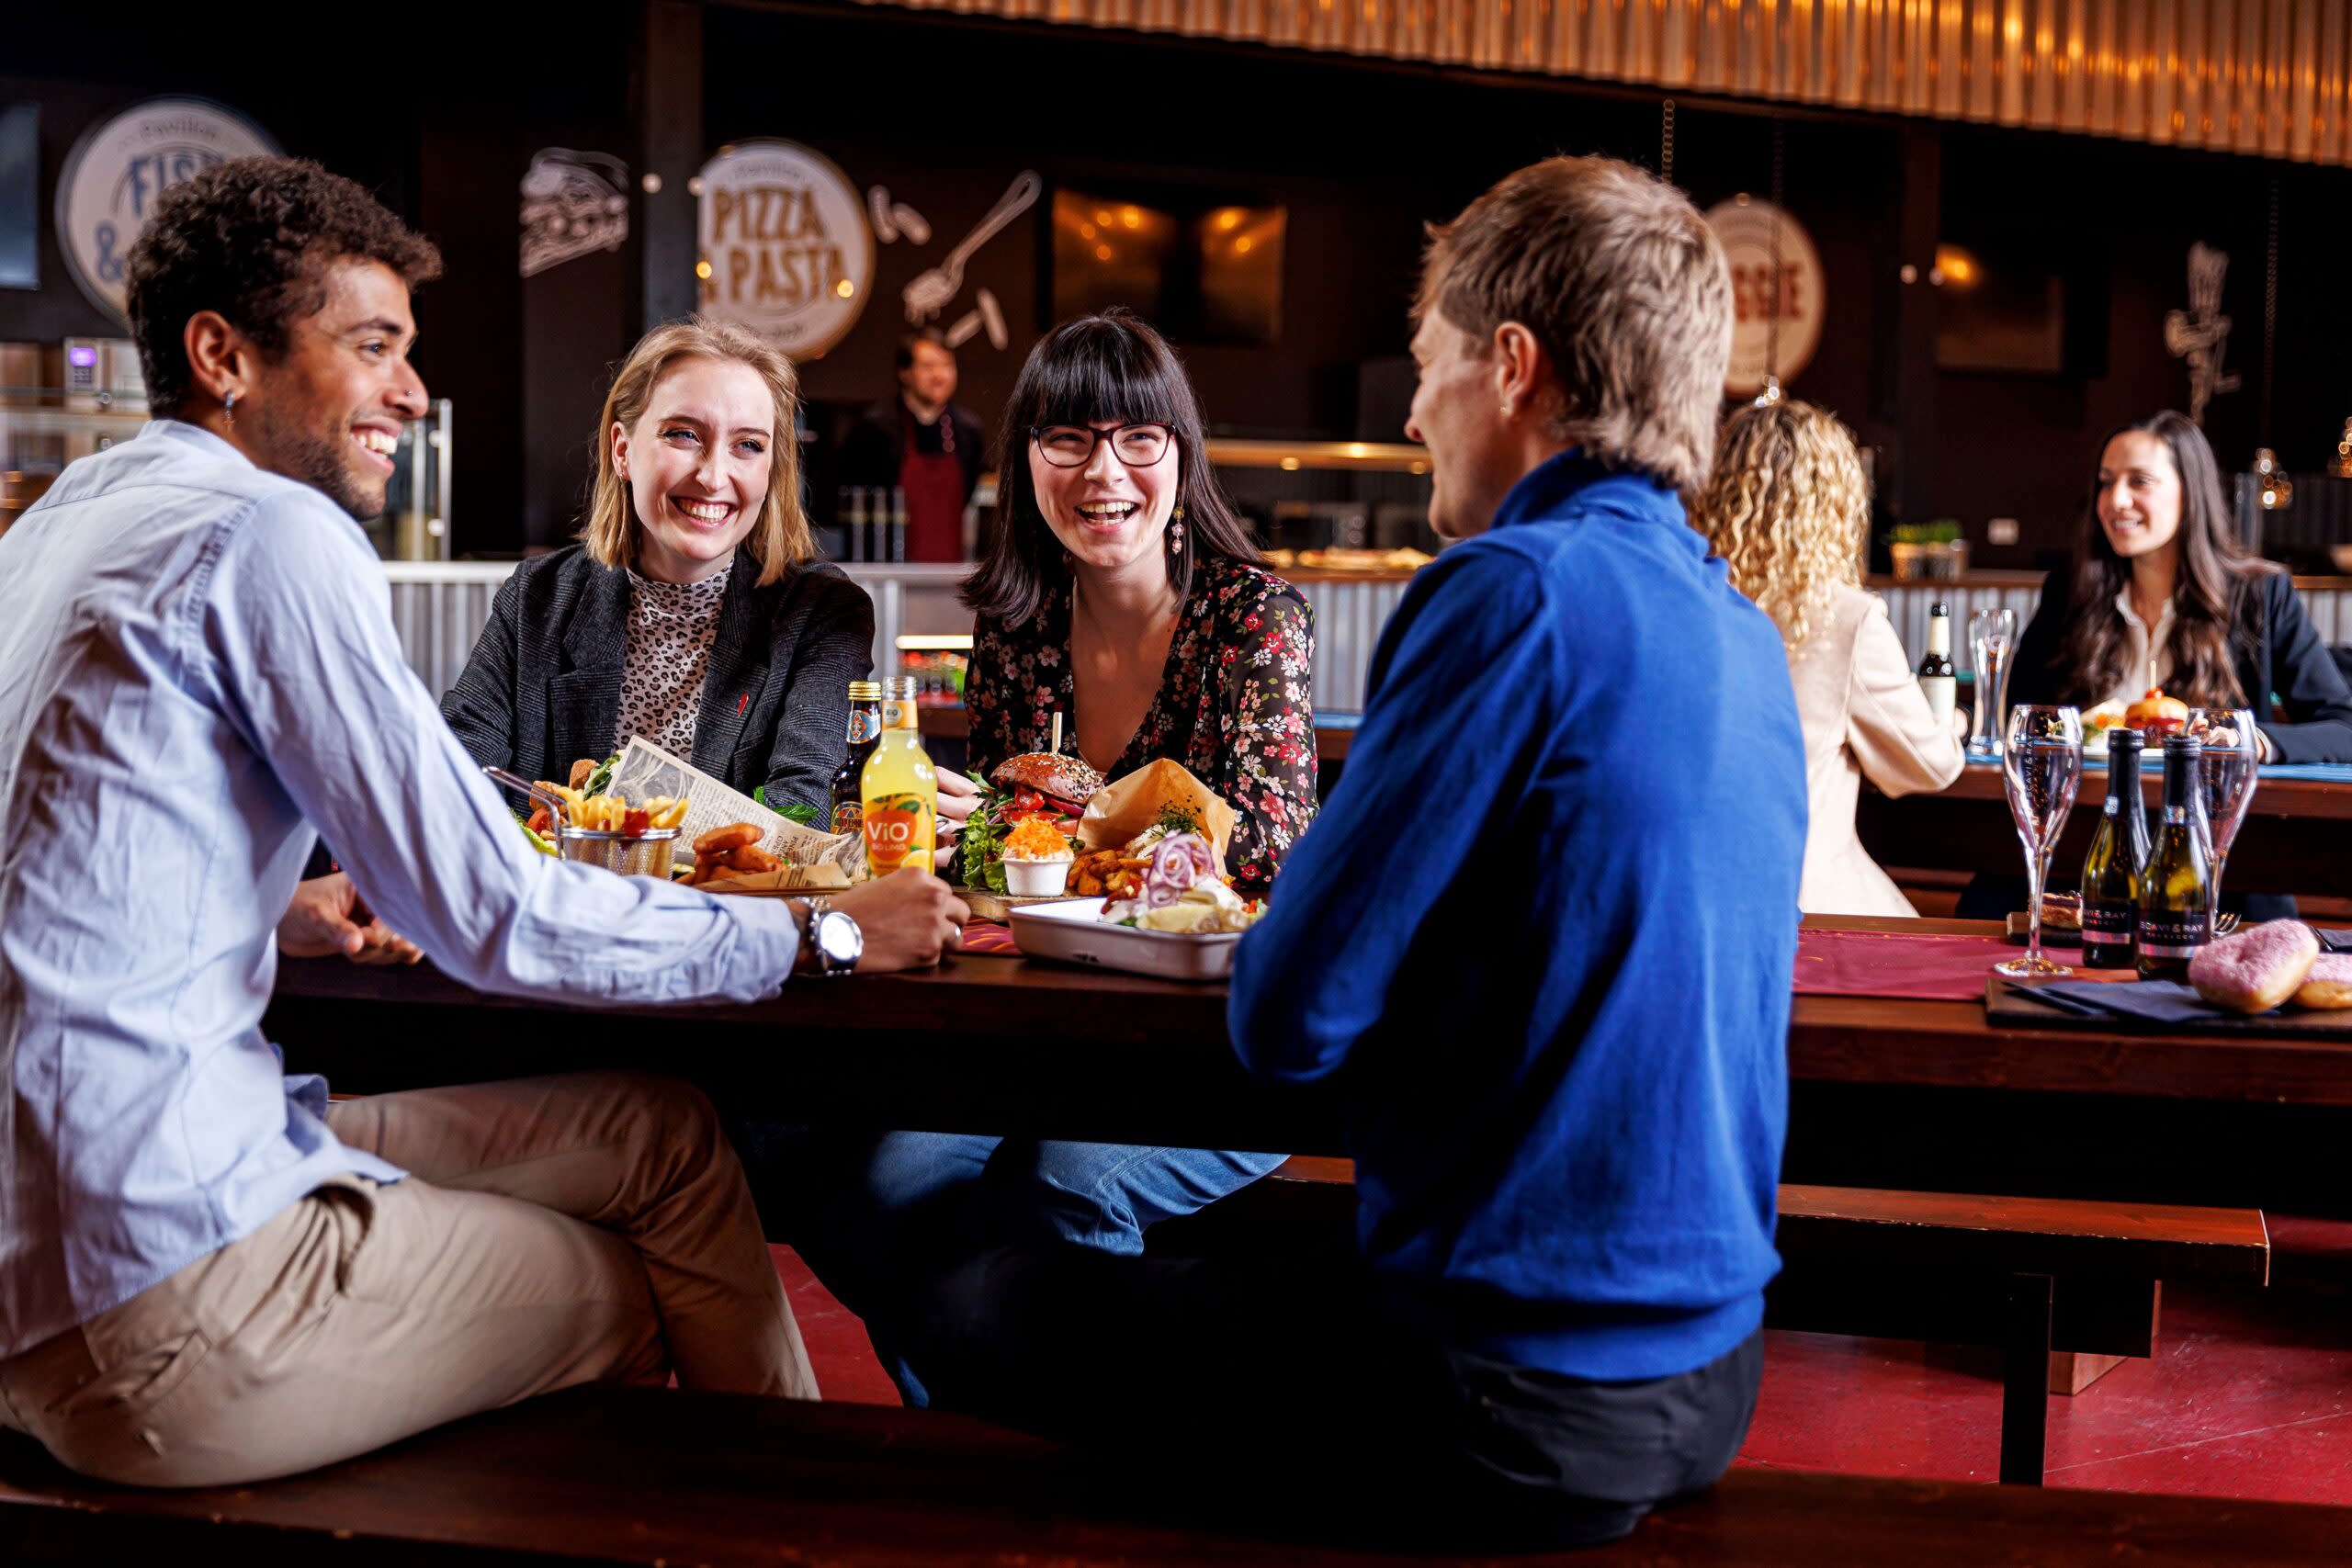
[2119, 855]
[2175, 907]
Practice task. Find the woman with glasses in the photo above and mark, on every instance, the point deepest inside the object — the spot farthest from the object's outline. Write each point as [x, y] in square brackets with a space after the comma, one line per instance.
[1120, 590]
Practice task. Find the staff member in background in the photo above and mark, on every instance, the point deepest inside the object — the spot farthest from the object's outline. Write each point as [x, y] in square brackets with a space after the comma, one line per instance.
[2163, 592]
[921, 443]
[692, 610]
[209, 1274]
[1537, 953]
[1787, 508]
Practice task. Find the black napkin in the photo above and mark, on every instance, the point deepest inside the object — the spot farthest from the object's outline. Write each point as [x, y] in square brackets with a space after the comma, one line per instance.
[2332, 940]
[2153, 1001]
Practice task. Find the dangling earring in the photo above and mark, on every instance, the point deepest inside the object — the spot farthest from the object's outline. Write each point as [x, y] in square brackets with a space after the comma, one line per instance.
[228, 409]
[1176, 534]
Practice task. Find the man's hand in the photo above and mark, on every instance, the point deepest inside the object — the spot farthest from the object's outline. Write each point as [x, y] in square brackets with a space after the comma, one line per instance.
[908, 919]
[958, 798]
[328, 916]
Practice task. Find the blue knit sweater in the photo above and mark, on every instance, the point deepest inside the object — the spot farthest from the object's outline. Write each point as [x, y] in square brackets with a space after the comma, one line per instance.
[1542, 939]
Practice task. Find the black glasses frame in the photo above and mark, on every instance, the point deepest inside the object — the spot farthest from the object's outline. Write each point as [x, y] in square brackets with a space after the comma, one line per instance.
[1166, 432]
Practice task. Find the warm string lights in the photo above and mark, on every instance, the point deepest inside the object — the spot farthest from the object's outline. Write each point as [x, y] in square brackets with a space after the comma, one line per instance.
[2274, 491]
[2272, 77]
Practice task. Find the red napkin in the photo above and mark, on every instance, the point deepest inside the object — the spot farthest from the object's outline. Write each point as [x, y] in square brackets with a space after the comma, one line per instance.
[988, 937]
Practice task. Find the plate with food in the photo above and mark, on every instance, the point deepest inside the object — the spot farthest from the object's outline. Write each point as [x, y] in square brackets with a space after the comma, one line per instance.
[1177, 917]
[2155, 715]
[1025, 827]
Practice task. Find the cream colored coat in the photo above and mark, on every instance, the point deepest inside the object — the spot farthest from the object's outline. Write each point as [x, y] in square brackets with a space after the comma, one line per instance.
[1863, 716]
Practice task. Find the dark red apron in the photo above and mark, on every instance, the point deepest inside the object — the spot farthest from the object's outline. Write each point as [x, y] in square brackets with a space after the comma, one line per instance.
[933, 483]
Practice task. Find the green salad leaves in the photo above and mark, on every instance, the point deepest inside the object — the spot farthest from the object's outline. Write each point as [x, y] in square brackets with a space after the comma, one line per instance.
[980, 851]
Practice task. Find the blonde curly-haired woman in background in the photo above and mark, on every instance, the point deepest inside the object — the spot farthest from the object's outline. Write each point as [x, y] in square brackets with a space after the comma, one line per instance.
[1787, 507]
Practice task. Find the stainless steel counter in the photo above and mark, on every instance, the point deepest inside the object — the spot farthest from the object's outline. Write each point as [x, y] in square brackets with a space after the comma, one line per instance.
[440, 607]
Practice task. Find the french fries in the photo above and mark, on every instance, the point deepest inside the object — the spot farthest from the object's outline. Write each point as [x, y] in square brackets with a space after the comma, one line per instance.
[611, 814]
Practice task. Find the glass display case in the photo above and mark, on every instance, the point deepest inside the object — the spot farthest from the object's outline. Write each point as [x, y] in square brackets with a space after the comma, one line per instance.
[44, 428]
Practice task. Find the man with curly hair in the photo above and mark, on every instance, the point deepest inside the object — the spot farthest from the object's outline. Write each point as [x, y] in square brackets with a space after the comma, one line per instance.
[208, 1274]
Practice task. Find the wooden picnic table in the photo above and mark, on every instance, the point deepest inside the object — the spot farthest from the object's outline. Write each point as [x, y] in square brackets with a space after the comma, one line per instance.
[2297, 836]
[1885, 1091]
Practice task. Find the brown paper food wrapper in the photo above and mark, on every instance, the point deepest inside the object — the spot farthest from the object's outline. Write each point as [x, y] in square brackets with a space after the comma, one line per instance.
[1120, 811]
[823, 877]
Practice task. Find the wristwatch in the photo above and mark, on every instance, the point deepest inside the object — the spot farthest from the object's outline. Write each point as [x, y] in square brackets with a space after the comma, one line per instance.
[832, 943]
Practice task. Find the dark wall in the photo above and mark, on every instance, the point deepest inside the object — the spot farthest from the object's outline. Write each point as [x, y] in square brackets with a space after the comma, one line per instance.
[944, 112]
[443, 137]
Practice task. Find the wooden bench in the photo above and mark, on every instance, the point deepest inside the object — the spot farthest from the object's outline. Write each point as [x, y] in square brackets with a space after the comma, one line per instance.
[648, 1476]
[2030, 1276]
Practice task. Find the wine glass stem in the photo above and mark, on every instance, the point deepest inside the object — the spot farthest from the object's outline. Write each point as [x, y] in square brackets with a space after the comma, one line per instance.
[2037, 866]
[2213, 890]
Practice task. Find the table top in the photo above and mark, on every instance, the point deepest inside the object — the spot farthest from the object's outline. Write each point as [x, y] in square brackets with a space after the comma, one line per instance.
[2302, 799]
[1048, 1018]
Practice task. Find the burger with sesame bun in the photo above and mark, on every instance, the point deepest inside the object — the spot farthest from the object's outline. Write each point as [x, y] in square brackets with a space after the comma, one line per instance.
[1045, 785]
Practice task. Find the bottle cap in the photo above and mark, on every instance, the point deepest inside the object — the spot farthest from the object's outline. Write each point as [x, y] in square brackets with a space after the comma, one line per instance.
[866, 691]
[2124, 738]
[2183, 746]
[1940, 608]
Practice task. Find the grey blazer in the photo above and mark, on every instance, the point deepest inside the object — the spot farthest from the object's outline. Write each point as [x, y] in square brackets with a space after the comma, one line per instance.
[544, 685]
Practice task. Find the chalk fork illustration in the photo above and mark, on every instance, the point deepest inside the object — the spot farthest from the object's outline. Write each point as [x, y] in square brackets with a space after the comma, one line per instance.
[934, 290]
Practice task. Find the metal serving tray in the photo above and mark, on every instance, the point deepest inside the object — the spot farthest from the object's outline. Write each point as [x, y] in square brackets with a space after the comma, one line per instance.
[1069, 931]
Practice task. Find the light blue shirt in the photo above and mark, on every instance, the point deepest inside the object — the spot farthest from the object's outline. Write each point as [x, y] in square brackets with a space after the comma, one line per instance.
[198, 675]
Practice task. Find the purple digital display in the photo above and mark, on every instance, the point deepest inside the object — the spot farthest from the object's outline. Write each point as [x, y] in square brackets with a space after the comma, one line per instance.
[81, 356]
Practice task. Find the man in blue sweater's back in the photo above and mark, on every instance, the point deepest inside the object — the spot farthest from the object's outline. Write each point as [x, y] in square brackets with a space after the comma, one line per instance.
[1539, 942]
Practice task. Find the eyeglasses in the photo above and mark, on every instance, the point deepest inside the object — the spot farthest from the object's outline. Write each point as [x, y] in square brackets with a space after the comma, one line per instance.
[1072, 446]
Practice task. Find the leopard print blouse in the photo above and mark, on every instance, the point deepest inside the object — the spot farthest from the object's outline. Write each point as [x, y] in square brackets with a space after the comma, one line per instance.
[672, 627]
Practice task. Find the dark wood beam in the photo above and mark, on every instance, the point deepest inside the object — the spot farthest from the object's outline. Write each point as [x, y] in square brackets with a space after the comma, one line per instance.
[668, 91]
[1913, 380]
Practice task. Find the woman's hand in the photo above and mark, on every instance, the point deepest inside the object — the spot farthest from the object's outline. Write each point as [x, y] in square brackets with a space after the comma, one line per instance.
[958, 798]
[328, 916]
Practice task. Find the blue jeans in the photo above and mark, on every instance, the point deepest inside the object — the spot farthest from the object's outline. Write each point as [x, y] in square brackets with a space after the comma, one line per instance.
[899, 1210]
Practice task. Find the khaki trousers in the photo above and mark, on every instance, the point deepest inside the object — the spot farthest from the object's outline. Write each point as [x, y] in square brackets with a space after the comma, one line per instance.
[554, 1231]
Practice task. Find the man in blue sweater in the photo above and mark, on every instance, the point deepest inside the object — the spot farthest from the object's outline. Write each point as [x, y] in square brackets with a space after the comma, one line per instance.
[1540, 945]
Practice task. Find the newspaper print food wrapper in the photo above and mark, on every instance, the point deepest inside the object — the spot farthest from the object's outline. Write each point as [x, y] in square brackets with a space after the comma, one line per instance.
[646, 769]
[1120, 811]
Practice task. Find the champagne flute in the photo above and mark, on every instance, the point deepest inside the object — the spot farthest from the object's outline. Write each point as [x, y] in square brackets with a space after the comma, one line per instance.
[2042, 762]
[1990, 636]
[2225, 783]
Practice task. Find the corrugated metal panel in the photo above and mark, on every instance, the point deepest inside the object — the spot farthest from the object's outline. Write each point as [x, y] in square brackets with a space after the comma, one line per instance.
[2261, 76]
[440, 609]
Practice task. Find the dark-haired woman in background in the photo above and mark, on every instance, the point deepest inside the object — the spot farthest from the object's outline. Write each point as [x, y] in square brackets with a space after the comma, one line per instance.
[2163, 594]
[1120, 589]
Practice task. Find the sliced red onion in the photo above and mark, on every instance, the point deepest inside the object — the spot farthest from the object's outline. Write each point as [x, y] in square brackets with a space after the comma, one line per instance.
[1178, 865]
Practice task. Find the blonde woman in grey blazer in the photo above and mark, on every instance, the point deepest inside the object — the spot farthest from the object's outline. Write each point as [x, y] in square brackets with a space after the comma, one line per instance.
[691, 611]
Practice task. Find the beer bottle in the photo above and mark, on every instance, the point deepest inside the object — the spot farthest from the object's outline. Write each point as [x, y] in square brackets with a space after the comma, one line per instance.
[848, 802]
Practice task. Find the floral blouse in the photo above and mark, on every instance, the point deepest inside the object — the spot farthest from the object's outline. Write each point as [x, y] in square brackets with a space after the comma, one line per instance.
[1235, 704]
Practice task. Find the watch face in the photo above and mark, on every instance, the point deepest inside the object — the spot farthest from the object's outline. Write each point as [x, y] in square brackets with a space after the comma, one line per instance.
[838, 939]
